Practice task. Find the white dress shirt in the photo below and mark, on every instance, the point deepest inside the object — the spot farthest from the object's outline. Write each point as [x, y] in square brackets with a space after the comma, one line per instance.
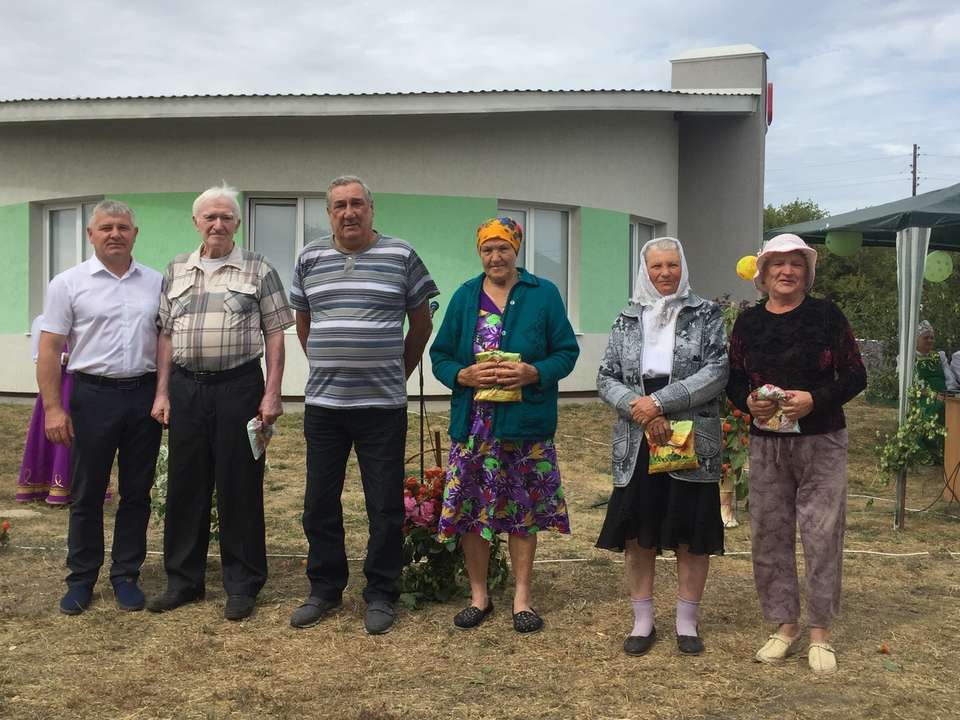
[657, 345]
[110, 322]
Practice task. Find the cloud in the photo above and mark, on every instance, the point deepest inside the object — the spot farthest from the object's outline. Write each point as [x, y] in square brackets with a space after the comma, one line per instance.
[856, 81]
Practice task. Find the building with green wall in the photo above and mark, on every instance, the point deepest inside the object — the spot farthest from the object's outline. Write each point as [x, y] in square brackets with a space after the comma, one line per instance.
[590, 174]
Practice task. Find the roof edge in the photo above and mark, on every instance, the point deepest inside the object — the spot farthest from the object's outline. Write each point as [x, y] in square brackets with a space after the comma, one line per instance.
[732, 101]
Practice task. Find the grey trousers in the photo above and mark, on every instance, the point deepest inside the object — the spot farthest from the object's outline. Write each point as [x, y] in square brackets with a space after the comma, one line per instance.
[798, 479]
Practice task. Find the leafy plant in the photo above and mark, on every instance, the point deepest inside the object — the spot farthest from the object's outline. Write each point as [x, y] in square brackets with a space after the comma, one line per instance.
[736, 446]
[158, 498]
[911, 444]
[435, 571]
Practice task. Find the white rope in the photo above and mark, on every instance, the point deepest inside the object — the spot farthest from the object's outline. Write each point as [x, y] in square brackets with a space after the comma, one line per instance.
[547, 561]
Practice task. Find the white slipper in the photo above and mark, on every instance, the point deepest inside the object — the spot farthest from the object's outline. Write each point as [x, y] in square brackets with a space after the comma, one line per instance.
[822, 658]
[777, 648]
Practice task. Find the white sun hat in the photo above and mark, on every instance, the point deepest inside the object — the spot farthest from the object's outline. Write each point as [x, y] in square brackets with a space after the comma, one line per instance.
[780, 244]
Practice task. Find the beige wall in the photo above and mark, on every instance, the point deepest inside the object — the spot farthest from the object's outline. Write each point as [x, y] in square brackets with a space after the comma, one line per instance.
[613, 160]
[720, 192]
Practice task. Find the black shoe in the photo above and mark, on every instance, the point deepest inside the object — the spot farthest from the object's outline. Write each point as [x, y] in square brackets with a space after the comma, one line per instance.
[129, 596]
[379, 617]
[239, 607]
[472, 616]
[639, 644]
[527, 621]
[172, 599]
[313, 610]
[690, 644]
[76, 599]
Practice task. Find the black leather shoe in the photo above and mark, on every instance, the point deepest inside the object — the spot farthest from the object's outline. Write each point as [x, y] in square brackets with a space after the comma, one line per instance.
[690, 644]
[637, 645]
[239, 607]
[472, 616]
[313, 610]
[172, 599]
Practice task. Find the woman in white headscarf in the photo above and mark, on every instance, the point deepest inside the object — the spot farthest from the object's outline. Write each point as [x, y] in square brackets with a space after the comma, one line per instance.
[665, 361]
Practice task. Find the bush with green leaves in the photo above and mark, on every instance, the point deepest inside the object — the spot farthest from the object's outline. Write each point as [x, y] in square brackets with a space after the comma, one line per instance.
[911, 444]
[158, 498]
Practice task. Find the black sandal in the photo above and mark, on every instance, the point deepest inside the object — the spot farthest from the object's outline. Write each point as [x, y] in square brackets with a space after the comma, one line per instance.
[472, 616]
[527, 621]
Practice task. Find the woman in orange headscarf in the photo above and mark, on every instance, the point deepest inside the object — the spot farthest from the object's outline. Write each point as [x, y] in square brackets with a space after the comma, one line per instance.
[504, 344]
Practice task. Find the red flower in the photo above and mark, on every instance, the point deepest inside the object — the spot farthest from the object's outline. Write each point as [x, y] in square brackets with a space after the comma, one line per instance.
[5, 525]
[737, 413]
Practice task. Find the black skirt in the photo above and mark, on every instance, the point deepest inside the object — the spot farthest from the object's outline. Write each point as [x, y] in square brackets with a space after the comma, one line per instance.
[663, 512]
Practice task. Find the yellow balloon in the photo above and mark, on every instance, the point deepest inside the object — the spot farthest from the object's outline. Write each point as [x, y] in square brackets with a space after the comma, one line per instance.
[747, 267]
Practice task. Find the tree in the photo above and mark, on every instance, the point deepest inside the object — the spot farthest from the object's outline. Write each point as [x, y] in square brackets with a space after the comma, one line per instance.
[792, 212]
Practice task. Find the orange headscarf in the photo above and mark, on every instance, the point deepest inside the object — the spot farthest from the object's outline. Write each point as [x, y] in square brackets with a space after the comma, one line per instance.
[501, 228]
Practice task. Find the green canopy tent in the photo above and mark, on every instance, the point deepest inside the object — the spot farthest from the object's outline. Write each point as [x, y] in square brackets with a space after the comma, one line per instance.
[912, 225]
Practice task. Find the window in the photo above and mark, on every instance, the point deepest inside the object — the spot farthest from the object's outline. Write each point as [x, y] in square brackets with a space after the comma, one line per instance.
[640, 233]
[279, 227]
[65, 236]
[546, 242]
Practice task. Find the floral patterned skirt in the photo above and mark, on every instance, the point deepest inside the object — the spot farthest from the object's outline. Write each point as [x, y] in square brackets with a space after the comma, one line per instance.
[496, 486]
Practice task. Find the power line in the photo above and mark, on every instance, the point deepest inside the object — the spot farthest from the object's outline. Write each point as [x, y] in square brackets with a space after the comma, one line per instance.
[843, 162]
[840, 182]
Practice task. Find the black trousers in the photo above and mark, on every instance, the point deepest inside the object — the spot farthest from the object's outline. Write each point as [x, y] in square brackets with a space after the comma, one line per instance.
[378, 436]
[109, 422]
[209, 448]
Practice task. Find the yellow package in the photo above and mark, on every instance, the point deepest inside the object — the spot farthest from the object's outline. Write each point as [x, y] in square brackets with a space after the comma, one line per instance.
[497, 393]
[678, 453]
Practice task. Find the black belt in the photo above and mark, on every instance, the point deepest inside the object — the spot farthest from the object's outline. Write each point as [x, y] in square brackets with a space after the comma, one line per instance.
[130, 383]
[217, 376]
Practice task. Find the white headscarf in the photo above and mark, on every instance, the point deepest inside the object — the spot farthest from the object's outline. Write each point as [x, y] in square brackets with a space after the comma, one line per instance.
[665, 307]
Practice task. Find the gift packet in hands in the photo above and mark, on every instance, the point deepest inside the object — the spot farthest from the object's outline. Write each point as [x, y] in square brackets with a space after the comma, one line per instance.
[779, 422]
[677, 453]
[497, 393]
[259, 434]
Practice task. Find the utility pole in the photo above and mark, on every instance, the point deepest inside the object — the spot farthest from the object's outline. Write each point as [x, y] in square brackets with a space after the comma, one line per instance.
[913, 168]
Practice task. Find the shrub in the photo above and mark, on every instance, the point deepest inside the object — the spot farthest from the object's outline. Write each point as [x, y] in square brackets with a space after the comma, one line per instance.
[434, 571]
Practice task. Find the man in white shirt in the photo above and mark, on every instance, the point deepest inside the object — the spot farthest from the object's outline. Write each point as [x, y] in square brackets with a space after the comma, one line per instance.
[106, 309]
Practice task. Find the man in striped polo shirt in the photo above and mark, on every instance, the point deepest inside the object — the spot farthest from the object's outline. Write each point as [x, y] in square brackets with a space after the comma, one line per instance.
[351, 292]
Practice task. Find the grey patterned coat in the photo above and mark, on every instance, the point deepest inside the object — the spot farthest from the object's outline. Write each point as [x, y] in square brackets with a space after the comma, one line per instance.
[699, 374]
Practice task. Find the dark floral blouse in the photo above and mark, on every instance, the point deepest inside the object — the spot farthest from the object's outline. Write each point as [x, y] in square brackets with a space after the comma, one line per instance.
[809, 348]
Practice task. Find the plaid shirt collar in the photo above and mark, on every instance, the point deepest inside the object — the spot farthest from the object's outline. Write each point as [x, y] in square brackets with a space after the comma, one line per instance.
[234, 259]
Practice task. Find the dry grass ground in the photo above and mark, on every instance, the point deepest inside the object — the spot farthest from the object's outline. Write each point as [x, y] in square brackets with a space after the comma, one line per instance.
[193, 664]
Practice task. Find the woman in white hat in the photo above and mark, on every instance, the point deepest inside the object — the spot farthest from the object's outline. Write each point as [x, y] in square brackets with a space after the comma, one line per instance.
[803, 347]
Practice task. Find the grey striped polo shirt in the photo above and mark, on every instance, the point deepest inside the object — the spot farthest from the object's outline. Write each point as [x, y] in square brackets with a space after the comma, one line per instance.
[357, 305]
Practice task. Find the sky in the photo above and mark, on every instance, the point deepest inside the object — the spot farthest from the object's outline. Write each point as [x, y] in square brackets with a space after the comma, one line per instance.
[856, 83]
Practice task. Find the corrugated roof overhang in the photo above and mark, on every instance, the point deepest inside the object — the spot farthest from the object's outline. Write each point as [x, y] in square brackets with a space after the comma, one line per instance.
[723, 101]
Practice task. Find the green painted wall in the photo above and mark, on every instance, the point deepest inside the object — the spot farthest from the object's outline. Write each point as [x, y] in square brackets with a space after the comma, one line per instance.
[165, 225]
[443, 231]
[441, 228]
[14, 273]
[604, 273]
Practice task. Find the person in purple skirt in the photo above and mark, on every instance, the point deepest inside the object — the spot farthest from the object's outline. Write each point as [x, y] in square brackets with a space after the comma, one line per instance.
[503, 475]
[45, 470]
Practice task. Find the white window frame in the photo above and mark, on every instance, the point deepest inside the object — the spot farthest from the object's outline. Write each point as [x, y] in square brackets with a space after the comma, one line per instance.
[529, 247]
[81, 239]
[288, 199]
[291, 199]
[633, 250]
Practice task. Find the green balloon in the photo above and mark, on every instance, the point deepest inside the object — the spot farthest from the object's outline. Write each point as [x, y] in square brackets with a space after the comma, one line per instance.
[844, 243]
[939, 266]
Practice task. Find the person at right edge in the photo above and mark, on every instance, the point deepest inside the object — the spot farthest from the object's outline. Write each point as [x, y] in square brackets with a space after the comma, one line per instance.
[804, 347]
